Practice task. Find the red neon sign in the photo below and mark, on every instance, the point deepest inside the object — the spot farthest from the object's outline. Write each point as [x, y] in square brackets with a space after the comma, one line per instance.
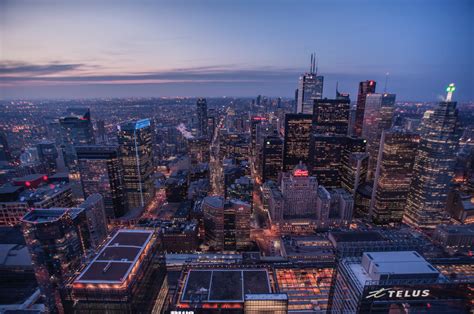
[300, 173]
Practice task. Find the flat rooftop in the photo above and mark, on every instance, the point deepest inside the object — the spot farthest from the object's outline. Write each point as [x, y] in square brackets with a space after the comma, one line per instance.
[116, 259]
[224, 285]
[44, 215]
[356, 236]
[398, 265]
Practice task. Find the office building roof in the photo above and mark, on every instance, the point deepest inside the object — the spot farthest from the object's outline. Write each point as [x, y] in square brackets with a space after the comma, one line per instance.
[116, 259]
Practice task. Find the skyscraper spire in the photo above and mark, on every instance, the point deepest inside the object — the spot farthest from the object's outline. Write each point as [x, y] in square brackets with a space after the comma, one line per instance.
[450, 90]
[386, 80]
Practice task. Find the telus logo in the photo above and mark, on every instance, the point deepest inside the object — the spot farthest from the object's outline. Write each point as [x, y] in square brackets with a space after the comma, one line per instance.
[376, 294]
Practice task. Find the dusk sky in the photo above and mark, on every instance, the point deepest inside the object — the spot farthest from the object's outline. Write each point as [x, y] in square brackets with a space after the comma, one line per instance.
[73, 49]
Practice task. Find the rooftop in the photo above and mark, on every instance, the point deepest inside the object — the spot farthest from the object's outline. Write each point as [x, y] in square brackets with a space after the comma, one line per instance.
[116, 259]
[216, 285]
[44, 215]
[266, 296]
[355, 236]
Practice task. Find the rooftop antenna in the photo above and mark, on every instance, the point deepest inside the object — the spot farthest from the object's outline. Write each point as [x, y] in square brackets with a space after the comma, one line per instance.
[311, 65]
[386, 80]
[316, 65]
[450, 90]
[337, 88]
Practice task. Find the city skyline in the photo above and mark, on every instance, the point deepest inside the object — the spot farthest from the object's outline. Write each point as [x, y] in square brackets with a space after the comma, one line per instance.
[129, 49]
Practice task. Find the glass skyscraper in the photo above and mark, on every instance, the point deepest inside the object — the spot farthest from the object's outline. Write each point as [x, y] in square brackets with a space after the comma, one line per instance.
[434, 167]
[101, 172]
[136, 153]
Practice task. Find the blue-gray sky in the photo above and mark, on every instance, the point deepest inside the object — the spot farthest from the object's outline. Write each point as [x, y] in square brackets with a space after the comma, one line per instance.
[71, 49]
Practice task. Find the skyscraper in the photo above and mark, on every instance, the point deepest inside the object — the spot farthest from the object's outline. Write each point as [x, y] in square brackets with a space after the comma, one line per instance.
[297, 140]
[4, 148]
[326, 156]
[54, 240]
[365, 88]
[272, 160]
[101, 172]
[76, 129]
[353, 170]
[202, 117]
[393, 175]
[331, 116]
[136, 153]
[48, 154]
[96, 220]
[236, 225]
[377, 118]
[434, 166]
[310, 87]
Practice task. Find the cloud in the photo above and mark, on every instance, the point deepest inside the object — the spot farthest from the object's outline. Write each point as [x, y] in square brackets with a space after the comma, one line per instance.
[21, 68]
[57, 73]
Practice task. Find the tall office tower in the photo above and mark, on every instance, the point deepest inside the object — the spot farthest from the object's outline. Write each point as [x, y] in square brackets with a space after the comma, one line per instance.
[236, 225]
[48, 155]
[326, 156]
[331, 116]
[395, 282]
[342, 96]
[136, 153]
[96, 220]
[272, 158]
[366, 87]
[125, 276]
[297, 140]
[101, 172]
[101, 133]
[310, 87]
[377, 118]
[4, 148]
[434, 166]
[393, 175]
[213, 211]
[254, 123]
[300, 193]
[353, 170]
[56, 246]
[202, 117]
[76, 129]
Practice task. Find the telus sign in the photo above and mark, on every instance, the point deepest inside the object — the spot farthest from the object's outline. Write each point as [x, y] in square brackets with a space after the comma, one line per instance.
[398, 294]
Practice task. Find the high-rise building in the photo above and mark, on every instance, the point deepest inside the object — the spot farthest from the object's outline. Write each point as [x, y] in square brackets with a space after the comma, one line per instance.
[297, 140]
[48, 155]
[300, 193]
[125, 276]
[101, 172]
[393, 175]
[272, 158]
[101, 133]
[213, 212]
[434, 167]
[236, 225]
[76, 129]
[310, 87]
[4, 148]
[365, 87]
[136, 153]
[96, 220]
[202, 117]
[378, 117]
[395, 282]
[327, 153]
[56, 246]
[353, 170]
[226, 224]
[331, 116]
